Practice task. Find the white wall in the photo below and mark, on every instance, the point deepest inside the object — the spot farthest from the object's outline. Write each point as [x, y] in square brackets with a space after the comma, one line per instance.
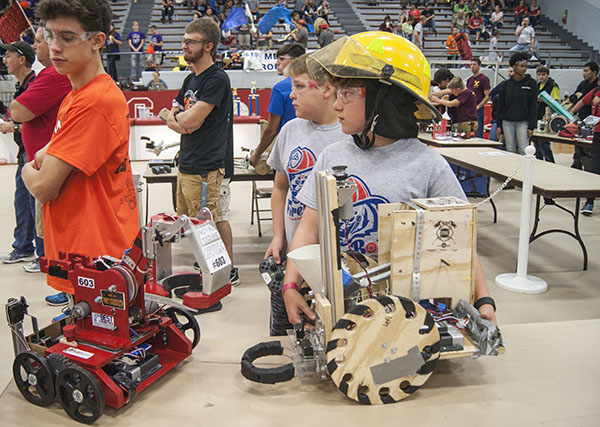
[582, 20]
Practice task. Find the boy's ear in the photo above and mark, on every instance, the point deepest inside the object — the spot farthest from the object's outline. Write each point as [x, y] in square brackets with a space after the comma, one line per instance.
[328, 90]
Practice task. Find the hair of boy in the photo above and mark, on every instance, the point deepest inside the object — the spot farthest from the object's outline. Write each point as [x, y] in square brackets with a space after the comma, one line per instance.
[208, 29]
[518, 57]
[456, 83]
[543, 69]
[593, 66]
[477, 60]
[292, 49]
[442, 74]
[93, 15]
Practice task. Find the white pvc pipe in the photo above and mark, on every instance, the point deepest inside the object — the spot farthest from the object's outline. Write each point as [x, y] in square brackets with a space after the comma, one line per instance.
[521, 282]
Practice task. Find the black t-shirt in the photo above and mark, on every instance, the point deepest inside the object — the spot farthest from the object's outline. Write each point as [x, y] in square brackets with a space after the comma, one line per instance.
[19, 89]
[204, 150]
[584, 87]
[427, 13]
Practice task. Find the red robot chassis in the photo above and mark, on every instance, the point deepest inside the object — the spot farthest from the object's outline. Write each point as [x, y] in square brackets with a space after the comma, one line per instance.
[126, 331]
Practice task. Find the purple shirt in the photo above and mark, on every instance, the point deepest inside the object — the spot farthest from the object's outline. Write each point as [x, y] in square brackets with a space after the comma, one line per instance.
[466, 111]
[479, 85]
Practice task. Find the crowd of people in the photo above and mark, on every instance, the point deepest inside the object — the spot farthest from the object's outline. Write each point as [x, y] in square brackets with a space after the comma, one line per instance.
[305, 103]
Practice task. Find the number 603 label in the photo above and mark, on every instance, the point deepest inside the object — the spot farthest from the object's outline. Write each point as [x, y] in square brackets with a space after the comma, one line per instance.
[85, 282]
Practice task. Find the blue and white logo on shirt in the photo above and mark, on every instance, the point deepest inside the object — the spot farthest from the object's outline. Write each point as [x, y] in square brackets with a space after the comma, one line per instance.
[361, 231]
[300, 164]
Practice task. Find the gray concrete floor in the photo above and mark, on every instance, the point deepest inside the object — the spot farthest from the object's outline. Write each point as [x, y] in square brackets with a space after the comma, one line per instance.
[573, 294]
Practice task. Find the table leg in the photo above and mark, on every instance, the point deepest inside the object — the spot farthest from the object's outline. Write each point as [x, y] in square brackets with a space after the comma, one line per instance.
[575, 234]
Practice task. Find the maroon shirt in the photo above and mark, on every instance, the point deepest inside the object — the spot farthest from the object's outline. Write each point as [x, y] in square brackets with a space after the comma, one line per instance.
[466, 111]
[478, 85]
[43, 98]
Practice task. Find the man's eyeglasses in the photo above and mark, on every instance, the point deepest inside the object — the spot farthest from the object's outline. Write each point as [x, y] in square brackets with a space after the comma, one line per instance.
[67, 38]
[299, 87]
[191, 42]
[349, 94]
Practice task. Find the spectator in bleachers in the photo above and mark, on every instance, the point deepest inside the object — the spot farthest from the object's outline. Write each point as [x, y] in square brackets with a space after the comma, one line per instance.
[264, 41]
[387, 25]
[157, 83]
[418, 33]
[502, 3]
[483, 6]
[493, 52]
[460, 21]
[517, 106]
[521, 11]
[301, 36]
[407, 28]
[476, 24]
[590, 81]
[461, 7]
[309, 11]
[414, 12]
[154, 59]
[112, 46]
[534, 13]
[451, 46]
[27, 36]
[244, 40]
[298, 5]
[325, 35]
[254, 6]
[548, 85]
[461, 106]
[167, 11]
[429, 14]
[136, 42]
[210, 14]
[480, 85]
[525, 37]
[199, 9]
[403, 16]
[225, 10]
[280, 109]
[497, 19]
[323, 11]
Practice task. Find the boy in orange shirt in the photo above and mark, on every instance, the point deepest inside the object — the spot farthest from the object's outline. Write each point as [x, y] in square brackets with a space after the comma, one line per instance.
[83, 176]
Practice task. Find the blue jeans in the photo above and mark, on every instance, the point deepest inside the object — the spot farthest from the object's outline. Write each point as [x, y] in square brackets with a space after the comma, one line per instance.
[544, 152]
[480, 120]
[520, 47]
[515, 136]
[431, 24]
[137, 59]
[25, 230]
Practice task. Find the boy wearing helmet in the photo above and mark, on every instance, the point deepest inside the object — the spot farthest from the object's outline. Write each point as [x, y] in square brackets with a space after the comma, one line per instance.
[382, 85]
[296, 150]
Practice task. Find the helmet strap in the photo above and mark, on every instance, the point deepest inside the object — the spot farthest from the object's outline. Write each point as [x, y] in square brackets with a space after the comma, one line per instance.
[363, 141]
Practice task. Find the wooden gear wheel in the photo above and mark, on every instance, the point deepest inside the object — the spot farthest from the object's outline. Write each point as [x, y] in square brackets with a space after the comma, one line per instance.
[383, 350]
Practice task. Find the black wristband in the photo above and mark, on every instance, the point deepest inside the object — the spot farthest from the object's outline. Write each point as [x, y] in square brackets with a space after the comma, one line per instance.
[485, 300]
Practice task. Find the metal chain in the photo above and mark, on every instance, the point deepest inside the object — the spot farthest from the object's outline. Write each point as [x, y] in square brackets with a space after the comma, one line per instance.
[504, 184]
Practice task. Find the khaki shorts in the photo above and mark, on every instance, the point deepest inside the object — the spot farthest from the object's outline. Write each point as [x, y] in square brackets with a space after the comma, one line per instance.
[189, 192]
[39, 224]
[224, 200]
[466, 127]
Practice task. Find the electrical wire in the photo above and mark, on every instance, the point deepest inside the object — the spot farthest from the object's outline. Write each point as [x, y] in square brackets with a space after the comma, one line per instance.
[370, 286]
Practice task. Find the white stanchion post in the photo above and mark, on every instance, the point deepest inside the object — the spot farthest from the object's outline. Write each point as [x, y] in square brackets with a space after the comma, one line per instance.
[521, 282]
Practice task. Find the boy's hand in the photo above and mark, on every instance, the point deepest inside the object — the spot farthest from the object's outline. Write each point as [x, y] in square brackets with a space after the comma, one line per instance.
[295, 305]
[487, 312]
[276, 248]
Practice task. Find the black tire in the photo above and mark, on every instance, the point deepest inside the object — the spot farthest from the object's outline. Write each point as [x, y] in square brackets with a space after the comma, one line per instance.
[34, 378]
[79, 394]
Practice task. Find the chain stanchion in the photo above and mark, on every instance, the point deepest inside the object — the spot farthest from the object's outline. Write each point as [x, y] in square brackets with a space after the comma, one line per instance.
[520, 281]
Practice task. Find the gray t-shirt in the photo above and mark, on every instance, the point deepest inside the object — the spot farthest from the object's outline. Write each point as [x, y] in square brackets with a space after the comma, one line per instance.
[298, 145]
[302, 37]
[525, 35]
[404, 170]
[493, 54]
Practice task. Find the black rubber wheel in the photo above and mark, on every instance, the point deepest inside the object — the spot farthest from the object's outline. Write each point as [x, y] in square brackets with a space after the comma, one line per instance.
[80, 394]
[185, 322]
[34, 378]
